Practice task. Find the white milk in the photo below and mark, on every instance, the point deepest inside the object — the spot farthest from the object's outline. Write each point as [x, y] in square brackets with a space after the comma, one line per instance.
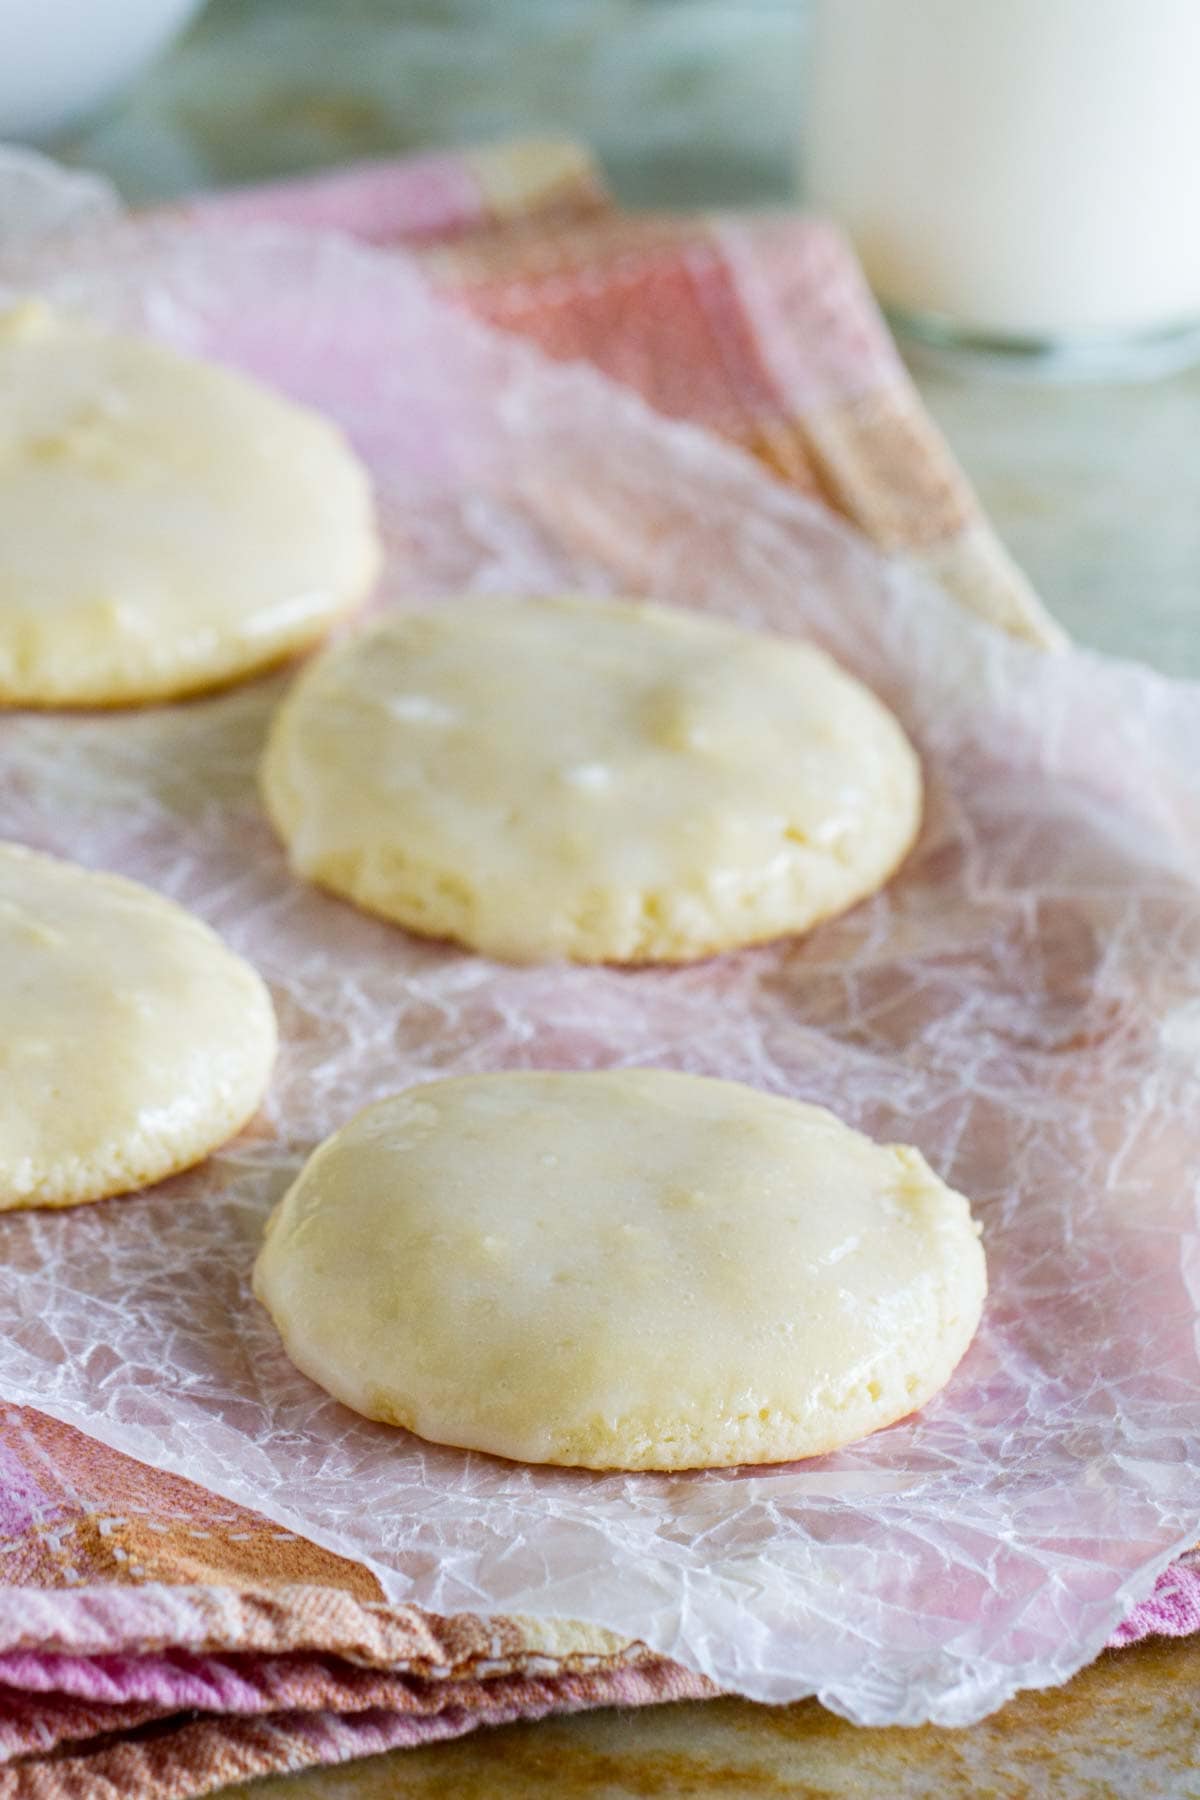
[1023, 168]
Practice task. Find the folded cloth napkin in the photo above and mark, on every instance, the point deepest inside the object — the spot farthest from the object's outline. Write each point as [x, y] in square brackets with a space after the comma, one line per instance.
[158, 1641]
[760, 328]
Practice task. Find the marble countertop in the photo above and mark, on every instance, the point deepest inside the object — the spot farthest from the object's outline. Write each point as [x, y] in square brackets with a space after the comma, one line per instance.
[1095, 490]
[693, 102]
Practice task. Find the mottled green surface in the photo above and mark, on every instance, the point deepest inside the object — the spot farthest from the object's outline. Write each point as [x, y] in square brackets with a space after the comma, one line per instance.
[1096, 490]
[693, 102]
[685, 100]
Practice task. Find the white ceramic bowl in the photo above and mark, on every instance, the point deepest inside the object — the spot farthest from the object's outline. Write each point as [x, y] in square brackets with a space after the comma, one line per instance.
[61, 59]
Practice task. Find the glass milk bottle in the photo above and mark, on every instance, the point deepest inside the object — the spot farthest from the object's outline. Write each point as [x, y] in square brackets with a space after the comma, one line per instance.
[1017, 175]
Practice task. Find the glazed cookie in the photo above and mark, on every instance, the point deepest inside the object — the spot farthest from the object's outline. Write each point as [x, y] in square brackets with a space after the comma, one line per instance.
[629, 1270]
[165, 525]
[132, 1042]
[588, 779]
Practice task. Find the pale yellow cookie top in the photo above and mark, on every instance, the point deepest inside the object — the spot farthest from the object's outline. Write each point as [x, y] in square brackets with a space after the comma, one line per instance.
[632, 1269]
[589, 779]
[132, 1042]
[165, 524]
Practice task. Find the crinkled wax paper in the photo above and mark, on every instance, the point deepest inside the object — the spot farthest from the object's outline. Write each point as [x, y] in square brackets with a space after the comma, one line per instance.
[1023, 1003]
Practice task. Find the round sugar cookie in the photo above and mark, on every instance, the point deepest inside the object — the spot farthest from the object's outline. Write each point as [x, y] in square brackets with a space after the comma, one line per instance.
[595, 780]
[629, 1270]
[132, 1042]
[165, 525]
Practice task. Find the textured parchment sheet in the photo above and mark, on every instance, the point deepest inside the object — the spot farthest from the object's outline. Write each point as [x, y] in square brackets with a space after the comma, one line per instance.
[1023, 1003]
